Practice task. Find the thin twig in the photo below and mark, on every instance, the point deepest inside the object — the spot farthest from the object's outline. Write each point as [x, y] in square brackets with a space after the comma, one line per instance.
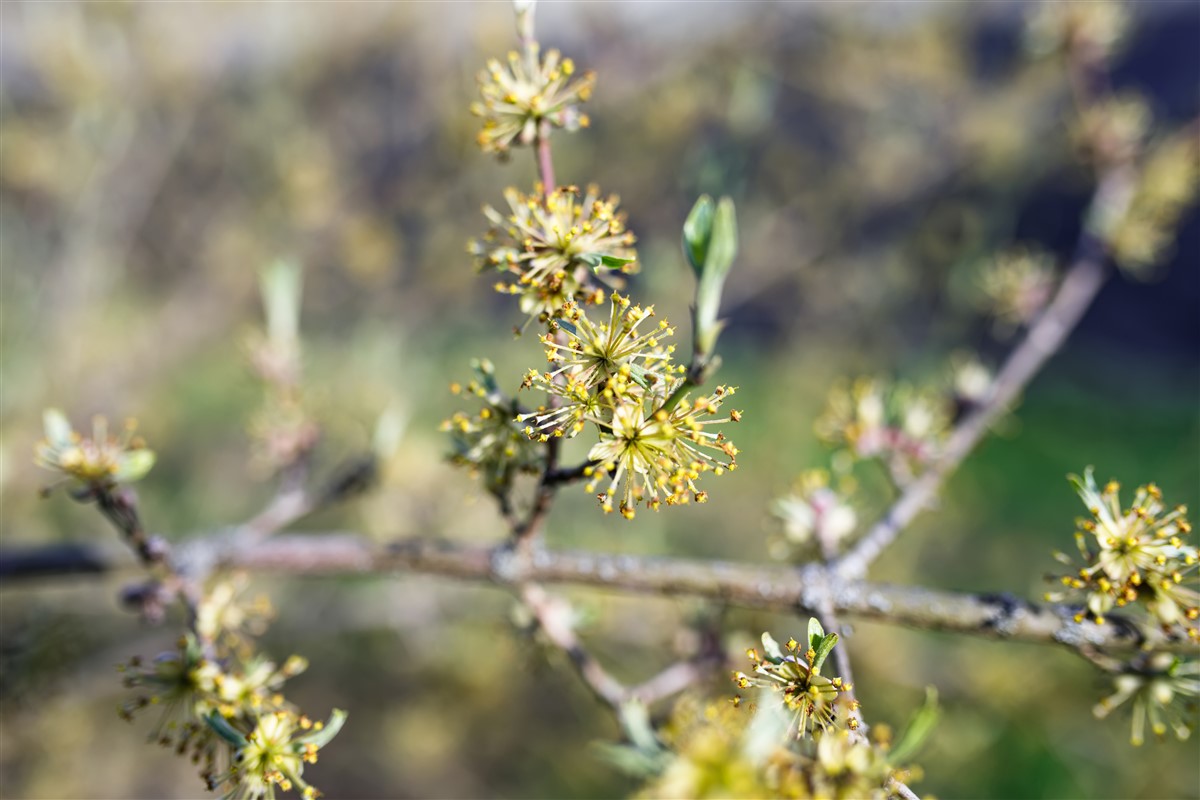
[1080, 286]
[553, 615]
[1110, 201]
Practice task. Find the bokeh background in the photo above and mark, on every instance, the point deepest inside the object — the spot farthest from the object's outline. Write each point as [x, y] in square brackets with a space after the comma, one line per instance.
[154, 156]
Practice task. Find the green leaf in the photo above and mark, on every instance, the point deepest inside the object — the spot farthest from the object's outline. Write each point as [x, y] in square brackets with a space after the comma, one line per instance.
[697, 231]
[57, 427]
[918, 729]
[486, 372]
[815, 633]
[772, 647]
[598, 260]
[322, 737]
[723, 245]
[635, 721]
[281, 285]
[823, 649]
[225, 730]
[133, 465]
[389, 430]
[720, 249]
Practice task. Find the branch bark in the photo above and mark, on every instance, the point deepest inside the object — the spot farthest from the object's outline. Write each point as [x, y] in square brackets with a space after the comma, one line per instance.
[758, 586]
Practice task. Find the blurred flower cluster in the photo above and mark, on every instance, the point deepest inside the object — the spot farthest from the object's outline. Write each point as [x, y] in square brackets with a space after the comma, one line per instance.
[899, 424]
[799, 740]
[814, 515]
[1169, 183]
[491, 441]
[221, 704]
[526, 90]
[1153, 685]
[95, 463]
[720, 752]
[1135, 555]
[1094, 28]
[1015, 287]
[283, 431]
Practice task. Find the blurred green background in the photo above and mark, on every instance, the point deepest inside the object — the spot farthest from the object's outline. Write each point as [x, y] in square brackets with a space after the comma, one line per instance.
[154, 156]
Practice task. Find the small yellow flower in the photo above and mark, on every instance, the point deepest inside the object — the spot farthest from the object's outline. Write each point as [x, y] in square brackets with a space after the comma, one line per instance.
[99, 462]
[1153, 688]
[1132, 555]
[524, 91]
[1016, 286]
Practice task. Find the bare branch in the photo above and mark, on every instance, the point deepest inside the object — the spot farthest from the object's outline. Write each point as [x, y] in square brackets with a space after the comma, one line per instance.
[1080, 286]
[554, 618]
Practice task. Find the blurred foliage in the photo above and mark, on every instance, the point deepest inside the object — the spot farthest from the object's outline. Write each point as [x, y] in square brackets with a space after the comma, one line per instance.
[153, 157]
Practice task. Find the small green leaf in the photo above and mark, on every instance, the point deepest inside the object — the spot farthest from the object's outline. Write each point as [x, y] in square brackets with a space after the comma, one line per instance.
[772, 647]
[823, 648]
[486, 373]
[719, 252]
[57, 427]
[598, 260]
[133, 465]
[322, 737]
[635, 721]
[815, 633]
[226, 731]
[723, 245]
[918, 729]
[281, 285]
[697, 232]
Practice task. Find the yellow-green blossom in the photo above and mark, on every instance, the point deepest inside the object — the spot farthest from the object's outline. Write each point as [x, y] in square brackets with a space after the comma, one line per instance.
[813, 514]
[654, 456]
[491, 441]
[1134, 555]
[99, 462]
[551, 246]
[593, 353]
[273, 754]
[816, 702]
[524, 91]
[1154, 688]
[901, 425]
[1016, 286]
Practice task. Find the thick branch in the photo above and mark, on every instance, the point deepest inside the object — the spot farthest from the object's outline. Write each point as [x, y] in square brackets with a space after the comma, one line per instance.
[747, 585]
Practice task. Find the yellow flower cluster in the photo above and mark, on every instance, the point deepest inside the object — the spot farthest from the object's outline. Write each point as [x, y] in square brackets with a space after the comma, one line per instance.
[655, 440]
[551, 246]
[1134, 555]
[524, 91]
